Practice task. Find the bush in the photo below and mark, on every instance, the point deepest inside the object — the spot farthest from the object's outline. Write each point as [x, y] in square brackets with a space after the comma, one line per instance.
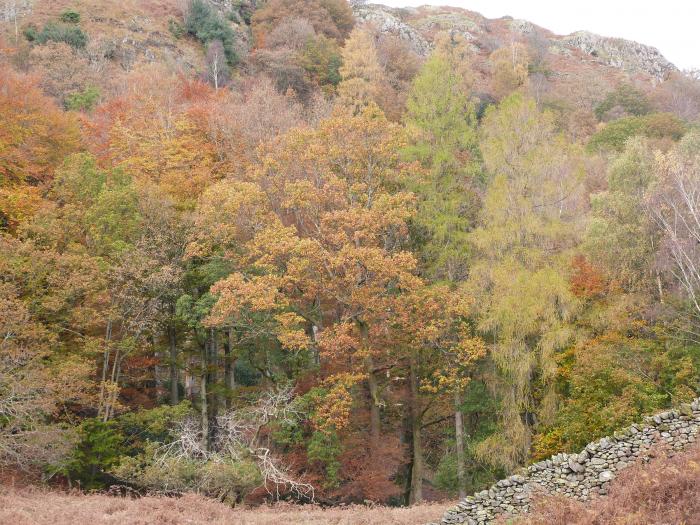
[626, 97]
[103, 446]
[175, 28]
[70, 17]
[206, 25]
[84, 100]
[98, 450]
[57, 32]
[656, 125]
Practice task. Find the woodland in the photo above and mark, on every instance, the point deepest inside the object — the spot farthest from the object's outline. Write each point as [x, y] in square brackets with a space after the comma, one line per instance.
[327, 268]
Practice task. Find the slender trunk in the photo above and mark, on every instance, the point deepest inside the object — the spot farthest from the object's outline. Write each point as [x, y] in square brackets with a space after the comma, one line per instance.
[229, 365]
[174, 393]
[660, 287]
[204, 406]
[157, 381]
[114, 394]
[105, 366]
[373, 387]
[459, 444]
[417, 469]
[215, 400]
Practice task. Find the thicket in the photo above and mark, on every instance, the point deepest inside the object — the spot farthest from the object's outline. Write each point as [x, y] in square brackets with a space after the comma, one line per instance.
[67, 33]
[205, 23]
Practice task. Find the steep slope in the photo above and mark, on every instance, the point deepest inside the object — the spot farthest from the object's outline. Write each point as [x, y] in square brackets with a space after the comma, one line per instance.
[575, 69]
[418, 26]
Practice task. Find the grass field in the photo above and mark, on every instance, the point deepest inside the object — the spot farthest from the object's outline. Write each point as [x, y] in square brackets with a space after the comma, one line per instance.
[39, 507]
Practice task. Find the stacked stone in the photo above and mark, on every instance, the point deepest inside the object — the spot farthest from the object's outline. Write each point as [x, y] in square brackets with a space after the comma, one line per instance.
[582, 475]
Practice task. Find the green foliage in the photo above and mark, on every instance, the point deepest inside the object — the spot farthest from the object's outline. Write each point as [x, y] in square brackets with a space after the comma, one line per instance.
[176, 28]
[442, 123]
[479, 409]
[84, 100]
[156, 425]
[70, 17]
[325, 447]
[113, 220]
[621, 237]
[206, 25]
[229, 481]
[321, 58]
[656, 125]
[57, 32]
[519, 278]
[102, 446]
[99, 448]
[611, 382]
[631, 100]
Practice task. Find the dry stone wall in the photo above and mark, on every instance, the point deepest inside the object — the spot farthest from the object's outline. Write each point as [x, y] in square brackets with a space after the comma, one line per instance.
[582, 475]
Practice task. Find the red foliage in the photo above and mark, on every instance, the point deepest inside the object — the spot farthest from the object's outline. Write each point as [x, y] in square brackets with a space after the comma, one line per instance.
[586, 282]
[369, 471]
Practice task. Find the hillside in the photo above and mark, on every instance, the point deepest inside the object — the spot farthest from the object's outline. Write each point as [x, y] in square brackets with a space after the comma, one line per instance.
[571, 60]
[124, 36]
[334, 253]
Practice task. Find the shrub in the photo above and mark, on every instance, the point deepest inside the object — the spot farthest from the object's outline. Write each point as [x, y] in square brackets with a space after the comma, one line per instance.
[57, 32]
[104, 446]
[207, 26]
[84, 100]
[98, 450]
[656, 125]
[70, 17]
[175, 28]
[626, 97]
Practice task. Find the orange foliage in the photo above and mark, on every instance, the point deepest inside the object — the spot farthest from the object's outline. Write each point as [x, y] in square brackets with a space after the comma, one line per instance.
[332, 18]
[586, 281]
[35, 136]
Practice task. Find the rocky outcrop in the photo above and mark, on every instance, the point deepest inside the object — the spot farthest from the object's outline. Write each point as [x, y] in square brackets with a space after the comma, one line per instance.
[388, 23]
[623, 54]
[418, 27]
[581, 475]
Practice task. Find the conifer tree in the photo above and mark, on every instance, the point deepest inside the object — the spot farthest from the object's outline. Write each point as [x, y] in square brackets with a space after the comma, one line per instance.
[524, 303]
[361, 72]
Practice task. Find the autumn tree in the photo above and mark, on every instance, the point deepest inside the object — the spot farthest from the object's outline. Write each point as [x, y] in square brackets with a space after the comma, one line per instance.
[621, 237]
[673, 204]
[34, 137]
[510, 69]
[361, 73]
[524, 303]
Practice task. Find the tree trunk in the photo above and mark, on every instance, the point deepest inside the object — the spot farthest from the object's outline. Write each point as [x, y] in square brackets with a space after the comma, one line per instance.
[204, 405]
[174, 393]
[373, 387]
[105, 367]
[212, 380]
[459, 444]
[417, 469]
[229, 365]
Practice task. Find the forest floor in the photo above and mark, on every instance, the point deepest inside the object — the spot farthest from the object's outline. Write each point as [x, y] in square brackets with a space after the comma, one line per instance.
[27, 506]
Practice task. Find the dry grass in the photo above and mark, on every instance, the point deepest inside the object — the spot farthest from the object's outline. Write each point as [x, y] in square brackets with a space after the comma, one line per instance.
[39, 507]
[664, 492]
